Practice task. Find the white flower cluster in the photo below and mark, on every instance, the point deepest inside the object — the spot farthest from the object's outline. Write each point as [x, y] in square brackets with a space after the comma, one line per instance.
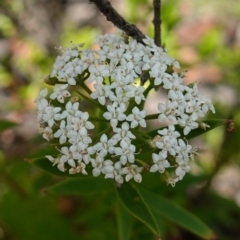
[115, 70]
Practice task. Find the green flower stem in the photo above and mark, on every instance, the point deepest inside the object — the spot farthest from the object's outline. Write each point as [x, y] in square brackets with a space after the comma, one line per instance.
[91, 101]
[84, 86]
[141, 105]
[148, 89]
[105, 131]
[144, 164]
[145, 93]
[152, 116]
[142, 135]
[98, 119]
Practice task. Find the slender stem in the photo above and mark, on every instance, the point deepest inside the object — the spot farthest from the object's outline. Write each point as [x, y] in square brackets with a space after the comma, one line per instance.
[113, 16]
[157, 22]
[98, 135]
[82, 84]
[152, 116]
[92, 101]
[148, 89]
[98, 119]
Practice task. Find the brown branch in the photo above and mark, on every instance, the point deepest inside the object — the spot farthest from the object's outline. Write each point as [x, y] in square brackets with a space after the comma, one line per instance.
[157, 22]
[113, 16]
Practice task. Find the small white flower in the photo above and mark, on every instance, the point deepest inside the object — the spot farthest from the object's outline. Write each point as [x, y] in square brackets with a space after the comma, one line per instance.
[71, 110]
[119, 99]
[188, 123]
[136, 92]
[105, 146]
[183, 151]
[62, 132]
[167, 144]
[168, 111]
[181, 170]
[42, 95]
[133, 171]
[101, 166]
[102, 92]
[126, 152]
[60, 93]
[169, 132]
[80, 138]
[115, 115]
[47, 133]
[51, 114]
[57, 161]
[67, 156]
[194, 108]
[80, 120]
[80, 168]
[123, 133]
[160, 163]
[175, 83]
[137, 118]
[97, 73]
[41, 105]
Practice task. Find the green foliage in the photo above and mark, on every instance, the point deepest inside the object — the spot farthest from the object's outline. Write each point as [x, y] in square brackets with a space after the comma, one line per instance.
[81, 185]
[165, 208]
[133, 202]
[123, 222]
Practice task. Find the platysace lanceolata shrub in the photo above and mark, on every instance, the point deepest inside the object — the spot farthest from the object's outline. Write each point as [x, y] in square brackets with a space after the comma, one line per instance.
[116, 70]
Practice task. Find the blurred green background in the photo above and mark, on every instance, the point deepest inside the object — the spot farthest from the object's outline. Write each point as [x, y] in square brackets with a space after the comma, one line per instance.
[204, 36]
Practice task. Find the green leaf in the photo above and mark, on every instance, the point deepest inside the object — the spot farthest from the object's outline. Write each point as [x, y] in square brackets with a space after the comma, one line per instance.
[165, 208]
[123, 222]
[5, 124]
[199, 131]
[86, 184]
[133, 202]
[46, 165]
[195, 132]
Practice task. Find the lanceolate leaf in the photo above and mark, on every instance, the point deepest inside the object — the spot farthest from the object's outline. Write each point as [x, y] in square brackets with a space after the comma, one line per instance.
[123, 222]
[46, 165]
[133, 202]
[199, 131]
[195, 132]
[86, 184]
[161, 207]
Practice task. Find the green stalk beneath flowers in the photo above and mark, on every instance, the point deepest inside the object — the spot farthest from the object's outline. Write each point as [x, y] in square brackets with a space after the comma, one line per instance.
[82, 84]
[91, 101]
[141, 105]
[105, 131]
[140, 134]
[148, 89]
[97, 119]
[152, 116]
[145, 93]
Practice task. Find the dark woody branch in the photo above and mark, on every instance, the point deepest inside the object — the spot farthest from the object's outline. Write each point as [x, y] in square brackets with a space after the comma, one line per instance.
[113, 16]
[157, 22]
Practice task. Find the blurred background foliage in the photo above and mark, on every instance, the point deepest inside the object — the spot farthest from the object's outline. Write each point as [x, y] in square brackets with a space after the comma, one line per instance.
[204, 36]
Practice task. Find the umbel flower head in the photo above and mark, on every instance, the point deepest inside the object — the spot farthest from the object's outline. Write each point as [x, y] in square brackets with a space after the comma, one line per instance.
[104, 130]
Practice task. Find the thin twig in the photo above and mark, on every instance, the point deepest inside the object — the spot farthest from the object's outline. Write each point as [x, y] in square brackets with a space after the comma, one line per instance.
[157, 22]
[113, 16]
